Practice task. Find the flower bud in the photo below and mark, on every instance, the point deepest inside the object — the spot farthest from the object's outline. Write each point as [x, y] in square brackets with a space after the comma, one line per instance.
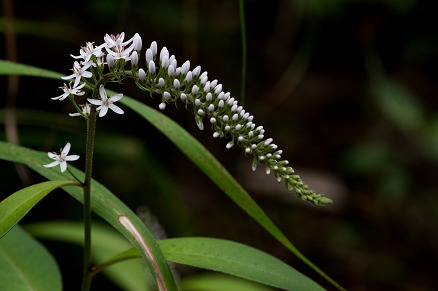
[137, 42]
[213, 83]
[151, 67]
[153, 47]
[110, 60]
[166, 95]
[189, 77]
[197, 71]
[185, 67]
[163, 52]
[171, 71]
[218, 89]
[164, 61]
[134, 58]
[148, 55]
[142, 75]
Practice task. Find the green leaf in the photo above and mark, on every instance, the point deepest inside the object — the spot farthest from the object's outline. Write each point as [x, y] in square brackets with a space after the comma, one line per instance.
[235, 259]
[11, 68]
[398, 104]
[129, 275]
[26, 265]
[103, 203]
[208, 253]
[219, 282]
[16, 206]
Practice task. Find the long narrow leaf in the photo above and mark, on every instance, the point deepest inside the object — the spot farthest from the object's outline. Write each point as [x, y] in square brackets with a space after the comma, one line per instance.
[104, 203]
[14, 207]
[235, 259]
[208, 253]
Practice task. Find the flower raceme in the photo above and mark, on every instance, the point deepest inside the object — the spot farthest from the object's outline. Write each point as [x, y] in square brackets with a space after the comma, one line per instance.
[162, 75]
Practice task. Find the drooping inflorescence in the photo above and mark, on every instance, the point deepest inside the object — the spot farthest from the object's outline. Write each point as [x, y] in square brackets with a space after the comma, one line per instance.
[161, 75]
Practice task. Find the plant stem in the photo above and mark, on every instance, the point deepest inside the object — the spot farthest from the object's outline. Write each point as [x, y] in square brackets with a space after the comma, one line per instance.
[91, 132]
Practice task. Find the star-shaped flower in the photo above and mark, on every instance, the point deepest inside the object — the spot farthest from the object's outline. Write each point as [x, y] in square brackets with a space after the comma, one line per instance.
[87, 51]
[61, 159]
[104, 103]
[119, 52]
[115, 40]
[68, 90]
[79, 72]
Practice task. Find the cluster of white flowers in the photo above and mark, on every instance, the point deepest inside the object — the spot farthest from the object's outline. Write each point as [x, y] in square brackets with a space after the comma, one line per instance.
[92, 62]
[163, 76]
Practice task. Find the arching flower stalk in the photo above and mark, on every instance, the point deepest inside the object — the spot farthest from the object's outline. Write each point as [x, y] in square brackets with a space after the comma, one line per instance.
[209, 102]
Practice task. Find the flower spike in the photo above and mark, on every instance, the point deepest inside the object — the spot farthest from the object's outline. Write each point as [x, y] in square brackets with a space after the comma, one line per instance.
[162, 75]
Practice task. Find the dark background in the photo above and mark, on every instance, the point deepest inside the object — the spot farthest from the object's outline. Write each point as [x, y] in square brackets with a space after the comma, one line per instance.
[346, 88]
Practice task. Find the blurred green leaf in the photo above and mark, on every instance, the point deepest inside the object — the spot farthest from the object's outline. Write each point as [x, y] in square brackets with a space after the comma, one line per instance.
[106, 242]
[398, 104]
[14, 207]
[26, 265]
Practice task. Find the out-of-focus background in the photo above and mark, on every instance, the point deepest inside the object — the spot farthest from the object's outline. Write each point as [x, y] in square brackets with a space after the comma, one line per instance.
[348, 89]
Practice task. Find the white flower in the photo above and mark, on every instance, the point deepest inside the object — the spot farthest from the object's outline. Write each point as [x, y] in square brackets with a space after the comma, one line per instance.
[85, 110]
[69, 90]
[106, 102]
[118, 52]
[79, 72]
[115, 40]
[89, 50]
[61, 159]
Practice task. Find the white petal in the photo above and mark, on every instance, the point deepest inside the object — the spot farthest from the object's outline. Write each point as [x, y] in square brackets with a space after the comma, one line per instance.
[52, 164]
[66, 149]
[102, 92]
[103, 111]
[116, 97]
[116, 109]
[77, 80]
[87, 74]
[72, 158]
[69, 77]
[63, 166]
[95, 102]
[52, 155]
